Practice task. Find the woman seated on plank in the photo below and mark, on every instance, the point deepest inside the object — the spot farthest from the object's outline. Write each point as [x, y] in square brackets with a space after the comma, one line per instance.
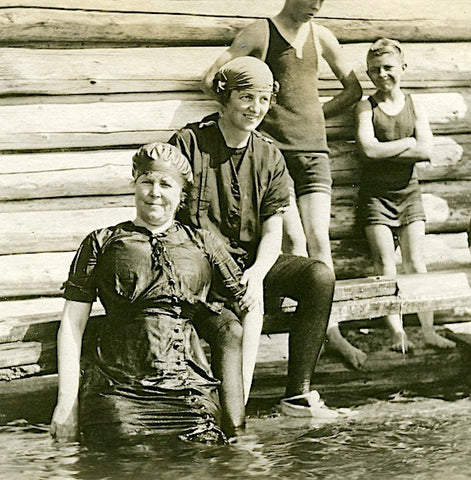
[147, 373]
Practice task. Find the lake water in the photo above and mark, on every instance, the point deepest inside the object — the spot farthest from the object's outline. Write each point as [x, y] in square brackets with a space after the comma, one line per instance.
[400, 438]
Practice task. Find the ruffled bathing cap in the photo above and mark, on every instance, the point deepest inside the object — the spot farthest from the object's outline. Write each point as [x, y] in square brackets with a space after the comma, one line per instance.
[160, 156]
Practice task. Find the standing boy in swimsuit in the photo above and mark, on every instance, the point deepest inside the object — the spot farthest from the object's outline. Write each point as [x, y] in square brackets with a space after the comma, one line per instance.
[393, 134]
[291, 44]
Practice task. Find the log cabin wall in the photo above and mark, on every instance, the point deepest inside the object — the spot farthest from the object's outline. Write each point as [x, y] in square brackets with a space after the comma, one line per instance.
[84, 82]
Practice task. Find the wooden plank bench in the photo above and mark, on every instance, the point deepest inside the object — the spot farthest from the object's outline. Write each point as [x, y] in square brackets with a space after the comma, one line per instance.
[25, 325]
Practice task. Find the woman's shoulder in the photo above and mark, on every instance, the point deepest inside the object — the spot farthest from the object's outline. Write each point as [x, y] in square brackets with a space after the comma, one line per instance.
[101, 236]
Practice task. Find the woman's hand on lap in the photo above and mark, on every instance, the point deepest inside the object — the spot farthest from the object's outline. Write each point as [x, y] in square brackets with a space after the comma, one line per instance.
[253, 296]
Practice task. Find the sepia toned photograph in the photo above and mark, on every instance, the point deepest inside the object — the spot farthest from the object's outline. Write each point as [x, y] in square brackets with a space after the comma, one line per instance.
[235, 239]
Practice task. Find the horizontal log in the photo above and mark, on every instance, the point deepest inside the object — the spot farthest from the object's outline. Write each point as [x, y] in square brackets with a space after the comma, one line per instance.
[67, 203]
[441, 252]
[37, 319]
[247, 8]
[29, 232]
[446, 204]
[18, 318]
[19, 353]
[122, 120]
[354, 299]
[55, 23]
[19, 371]
[34, 274]
[451, 160]
[42, 228]
[32, 398]
[38, 274]
[102, 179]
[101, 173]
[118, 70]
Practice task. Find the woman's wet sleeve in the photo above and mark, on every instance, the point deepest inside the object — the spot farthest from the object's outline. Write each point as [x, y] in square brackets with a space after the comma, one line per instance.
[223, 261]
[81, 285]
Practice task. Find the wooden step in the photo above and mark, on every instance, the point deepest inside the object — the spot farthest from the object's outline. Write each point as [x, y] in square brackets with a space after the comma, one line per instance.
[37, 319]
[460, 333]
[364, 298]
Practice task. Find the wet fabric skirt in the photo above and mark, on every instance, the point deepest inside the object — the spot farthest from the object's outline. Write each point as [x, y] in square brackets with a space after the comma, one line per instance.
[148, 375]
[128, 412]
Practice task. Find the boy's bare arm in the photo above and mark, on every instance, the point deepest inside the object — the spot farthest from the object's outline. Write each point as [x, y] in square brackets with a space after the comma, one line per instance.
[423, 135]
[369, 145]
[352, 91]
[404, 150]
[248, 42]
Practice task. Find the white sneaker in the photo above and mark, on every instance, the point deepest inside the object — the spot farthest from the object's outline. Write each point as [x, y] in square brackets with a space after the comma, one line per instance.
[316, 408]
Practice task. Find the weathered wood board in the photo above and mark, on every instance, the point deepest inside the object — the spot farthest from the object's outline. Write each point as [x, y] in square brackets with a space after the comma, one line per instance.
[45, 229]
[200, 23]
[107, 172]
[32, 71]
[135, 120]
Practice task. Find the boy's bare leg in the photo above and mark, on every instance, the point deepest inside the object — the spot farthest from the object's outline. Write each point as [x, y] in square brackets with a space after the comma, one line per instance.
[431, 337]
[315, 214]
[411, 238]
[400, 342]
[382, 247]
[294, 240]
[314, 209]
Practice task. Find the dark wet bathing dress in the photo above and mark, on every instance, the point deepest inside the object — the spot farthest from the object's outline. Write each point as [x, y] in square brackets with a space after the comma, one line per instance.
[147, 373]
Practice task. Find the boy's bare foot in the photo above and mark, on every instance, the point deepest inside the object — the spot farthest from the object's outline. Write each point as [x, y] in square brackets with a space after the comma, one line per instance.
[401, 343]
[433, 339]
[353, 355]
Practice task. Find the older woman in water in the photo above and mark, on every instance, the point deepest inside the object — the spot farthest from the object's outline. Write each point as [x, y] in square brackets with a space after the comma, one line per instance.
[147, 373]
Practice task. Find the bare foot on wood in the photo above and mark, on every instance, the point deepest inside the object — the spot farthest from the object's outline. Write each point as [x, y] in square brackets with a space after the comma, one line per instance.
[351, 354]
[354, 356]
[401, 343]
[433, 339]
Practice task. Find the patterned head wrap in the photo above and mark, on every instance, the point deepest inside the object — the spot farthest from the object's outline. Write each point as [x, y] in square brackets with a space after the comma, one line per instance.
[244, 72]
[161, 157]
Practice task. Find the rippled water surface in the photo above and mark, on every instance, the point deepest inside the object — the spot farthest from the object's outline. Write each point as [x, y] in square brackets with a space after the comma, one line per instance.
[405, 439]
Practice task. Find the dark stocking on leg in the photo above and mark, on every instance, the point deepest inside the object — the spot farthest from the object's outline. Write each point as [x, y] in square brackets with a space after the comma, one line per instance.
[315, 291]
[226, 361]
